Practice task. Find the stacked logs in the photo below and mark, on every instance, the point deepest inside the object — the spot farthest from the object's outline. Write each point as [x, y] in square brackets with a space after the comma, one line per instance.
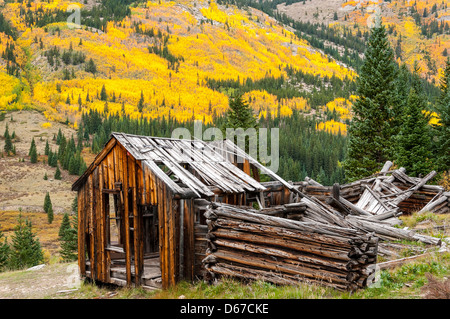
[253, 246]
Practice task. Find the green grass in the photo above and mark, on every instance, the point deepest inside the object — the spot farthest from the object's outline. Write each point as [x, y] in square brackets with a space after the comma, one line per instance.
[403, 282]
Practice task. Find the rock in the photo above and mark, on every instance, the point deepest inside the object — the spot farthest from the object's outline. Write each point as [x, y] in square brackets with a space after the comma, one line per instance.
[36, 267]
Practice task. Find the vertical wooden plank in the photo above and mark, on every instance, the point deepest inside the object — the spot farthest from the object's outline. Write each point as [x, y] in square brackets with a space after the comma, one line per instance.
[102, 219]
[189, 239]
[246, 167]
[171, 237]
[81, 231]
[126, 220]
[162, 232]
[176, 239]
[107, 253]
[96, 223]
[93, 257]
[181, 233]
[138, 239]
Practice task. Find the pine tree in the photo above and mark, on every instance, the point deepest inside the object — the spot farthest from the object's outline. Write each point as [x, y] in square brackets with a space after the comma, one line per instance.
[106, 108]
[47, 202]
[47, 148]
[442, 129]
[57, 173]
[69, 244]
[103, 95]
[4, 251]
[75, 205]
[371, 130]
[240, 114]
[8, 142]
[65, 224]
[413, 141]
[140, 105]
[50, 215]
[33, 153]
[25, 247]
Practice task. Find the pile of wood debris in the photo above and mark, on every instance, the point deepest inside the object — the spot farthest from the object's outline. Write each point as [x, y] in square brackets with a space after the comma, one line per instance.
[330, 235]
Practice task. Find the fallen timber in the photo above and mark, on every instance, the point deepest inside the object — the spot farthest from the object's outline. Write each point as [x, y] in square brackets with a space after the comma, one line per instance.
[324, 235]
[250, 245]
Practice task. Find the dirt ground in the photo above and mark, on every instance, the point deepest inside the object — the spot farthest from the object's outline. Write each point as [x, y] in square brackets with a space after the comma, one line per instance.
[22, 184]
[51, 281]
[315, 11]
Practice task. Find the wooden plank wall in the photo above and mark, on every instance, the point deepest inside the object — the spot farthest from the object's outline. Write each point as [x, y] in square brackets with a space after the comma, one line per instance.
[139, 187]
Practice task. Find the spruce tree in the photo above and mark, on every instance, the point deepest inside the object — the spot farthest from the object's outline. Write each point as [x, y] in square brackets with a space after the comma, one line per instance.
[47, 148]
[50, 215]
[140, 105]
[47, 202]
[442, 129]
[57, 173]
[69, 244]
[240, 114]
[65, 224]
[103, 95]
[33, 152]
[8, 143]
[4, 251]
[413, 141]
[371, 130]
[25, 247]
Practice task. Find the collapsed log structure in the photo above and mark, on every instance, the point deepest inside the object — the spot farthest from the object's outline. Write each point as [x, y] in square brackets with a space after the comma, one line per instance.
[252, 245]
[153, 211]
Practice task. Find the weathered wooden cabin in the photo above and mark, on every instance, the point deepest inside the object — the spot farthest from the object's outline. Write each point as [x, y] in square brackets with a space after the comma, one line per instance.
[141, 205]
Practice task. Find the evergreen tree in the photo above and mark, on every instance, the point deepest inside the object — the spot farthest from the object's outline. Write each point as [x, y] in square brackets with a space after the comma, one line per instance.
[442, 129]
[8, 142]
[25, 247]
[240, 114]
[371, 130]
[140, 105]
[33, 152]
[413, 141]
[33, 155]
[47, 202]
[47, 148]
[4, 251]
[106, 108]
[65, 224]
[103, 95]
[57, 173]
[50, 215]
[69, 244]
[75, 205]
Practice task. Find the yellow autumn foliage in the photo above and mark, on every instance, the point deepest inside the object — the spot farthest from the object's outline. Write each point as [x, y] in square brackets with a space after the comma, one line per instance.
[237, 44]
[9, 87]
[342, 106]
[332, 127]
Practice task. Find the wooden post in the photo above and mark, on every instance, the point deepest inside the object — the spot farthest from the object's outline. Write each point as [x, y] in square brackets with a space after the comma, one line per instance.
[126, 219]
[82, 230]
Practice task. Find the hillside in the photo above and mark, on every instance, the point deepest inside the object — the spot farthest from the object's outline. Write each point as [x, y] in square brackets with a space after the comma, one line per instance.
[418, 30]
[175, 57]
[22, 184]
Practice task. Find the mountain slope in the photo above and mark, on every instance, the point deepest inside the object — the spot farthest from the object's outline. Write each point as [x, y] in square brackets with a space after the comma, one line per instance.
[176, 57]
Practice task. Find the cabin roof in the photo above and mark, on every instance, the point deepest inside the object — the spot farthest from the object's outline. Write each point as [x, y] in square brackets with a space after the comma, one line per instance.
[192, 167]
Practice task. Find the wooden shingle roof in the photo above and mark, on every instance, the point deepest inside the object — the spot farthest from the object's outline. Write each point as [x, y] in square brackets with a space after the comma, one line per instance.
[191, 166]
